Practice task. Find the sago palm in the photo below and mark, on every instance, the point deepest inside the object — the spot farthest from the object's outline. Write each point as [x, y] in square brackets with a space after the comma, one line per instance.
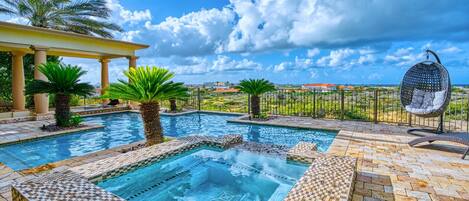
[255, 88]
[148, 86]
[79, 16]
[183, 95]
[63, 81]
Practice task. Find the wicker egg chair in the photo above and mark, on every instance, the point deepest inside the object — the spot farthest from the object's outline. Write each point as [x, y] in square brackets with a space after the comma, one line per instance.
[428, 78]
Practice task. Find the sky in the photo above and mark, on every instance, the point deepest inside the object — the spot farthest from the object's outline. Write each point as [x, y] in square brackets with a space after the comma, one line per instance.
[289, 41]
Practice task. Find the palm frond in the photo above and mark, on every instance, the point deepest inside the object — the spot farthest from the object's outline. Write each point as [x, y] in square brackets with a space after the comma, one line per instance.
[255, 86]
[79, 16]
[38, 87]
[64, 79]
[146, 85]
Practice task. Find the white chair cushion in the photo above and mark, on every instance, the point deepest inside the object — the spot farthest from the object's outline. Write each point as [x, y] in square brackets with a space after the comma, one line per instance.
[417, 98]
[419, 110]
[439, 99]
[425, 102]
[428, 100]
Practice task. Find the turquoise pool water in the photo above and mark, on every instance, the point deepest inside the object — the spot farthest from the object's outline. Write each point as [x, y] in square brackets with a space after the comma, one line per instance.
[209, 174]
[125, 128]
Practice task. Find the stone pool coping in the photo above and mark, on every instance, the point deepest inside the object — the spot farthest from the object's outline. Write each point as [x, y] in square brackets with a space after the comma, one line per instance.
[22, 137]
[61, 186]
[58, 184]
[241, 120]
[113, 166]
[16, 139]
[235, 119]
[337, 186]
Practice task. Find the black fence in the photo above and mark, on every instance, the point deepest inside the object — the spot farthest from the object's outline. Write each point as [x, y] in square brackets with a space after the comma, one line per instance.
[371, 105]
[380, 105]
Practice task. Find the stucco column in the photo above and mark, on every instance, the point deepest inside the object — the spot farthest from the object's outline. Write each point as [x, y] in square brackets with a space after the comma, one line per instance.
[132, 61]
[132, 64]
[104, 74]
[17, 81]
[41, 101]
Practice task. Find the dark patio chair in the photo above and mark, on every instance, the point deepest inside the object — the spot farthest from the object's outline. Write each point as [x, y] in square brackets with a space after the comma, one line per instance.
[461, 138]
[113, 102]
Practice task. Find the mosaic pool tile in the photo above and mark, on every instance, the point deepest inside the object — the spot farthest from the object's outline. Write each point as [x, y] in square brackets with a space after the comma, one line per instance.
[268, 149]
[60, 186]
[304, 152]
[75, 184]
[114, 166]
[328, 178]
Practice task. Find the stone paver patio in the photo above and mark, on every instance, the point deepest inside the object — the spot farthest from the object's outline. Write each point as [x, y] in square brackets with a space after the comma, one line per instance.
[388, 168]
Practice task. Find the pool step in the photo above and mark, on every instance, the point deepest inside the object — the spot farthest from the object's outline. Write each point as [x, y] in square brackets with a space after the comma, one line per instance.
[254, 170]
[304, 152]
[167, 179]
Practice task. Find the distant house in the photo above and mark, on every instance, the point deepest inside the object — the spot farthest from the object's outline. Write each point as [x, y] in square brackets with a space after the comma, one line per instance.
[344, 87]
[218, 85]
[320, 87]
[226, 90]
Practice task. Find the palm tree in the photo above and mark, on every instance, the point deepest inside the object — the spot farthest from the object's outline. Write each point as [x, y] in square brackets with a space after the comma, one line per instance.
[63, 81]
[148, 86]
[255, 88]
[183, 95]
[80, 16]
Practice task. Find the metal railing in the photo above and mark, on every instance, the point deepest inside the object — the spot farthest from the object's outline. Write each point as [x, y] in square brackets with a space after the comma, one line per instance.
[378, 105]
[371, 105]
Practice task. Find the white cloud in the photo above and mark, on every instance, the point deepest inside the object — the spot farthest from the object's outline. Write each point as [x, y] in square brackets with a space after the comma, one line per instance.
[250, 26]
[404, 57]
[268, 24]
[452, 49]
[130, 35]
[18, 20]
[366, 59]
[313, 74]
[197, 33]
[336, 58]
[121, 15]
[222, 63]
[313, 52]
[298, 64]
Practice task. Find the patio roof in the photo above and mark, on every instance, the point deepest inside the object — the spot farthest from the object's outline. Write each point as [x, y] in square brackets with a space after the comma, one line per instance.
[22, 39]
[15, 37]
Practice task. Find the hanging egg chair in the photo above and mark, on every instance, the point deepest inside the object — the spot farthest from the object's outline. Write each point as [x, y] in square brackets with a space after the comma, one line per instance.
[426, 89]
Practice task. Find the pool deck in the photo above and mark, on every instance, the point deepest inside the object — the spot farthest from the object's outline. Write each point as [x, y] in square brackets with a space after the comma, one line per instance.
[388, 168]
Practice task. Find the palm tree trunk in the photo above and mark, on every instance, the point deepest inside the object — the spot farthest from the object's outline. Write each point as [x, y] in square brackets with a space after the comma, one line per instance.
[172, 105]
[62, 109]
[255, 107]
[151, 121]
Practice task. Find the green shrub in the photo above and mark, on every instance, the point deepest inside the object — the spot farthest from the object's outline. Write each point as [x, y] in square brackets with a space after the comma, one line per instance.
[75, 120]
[74, 100]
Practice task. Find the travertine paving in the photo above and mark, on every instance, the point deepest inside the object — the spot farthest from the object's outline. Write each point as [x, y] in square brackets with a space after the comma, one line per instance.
[388, 168]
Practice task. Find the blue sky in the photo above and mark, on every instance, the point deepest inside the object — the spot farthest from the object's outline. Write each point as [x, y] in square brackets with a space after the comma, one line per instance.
[290, 41]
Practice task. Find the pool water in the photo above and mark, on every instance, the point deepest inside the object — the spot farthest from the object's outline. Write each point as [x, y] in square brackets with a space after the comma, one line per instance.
[209, 174]
[125, 128]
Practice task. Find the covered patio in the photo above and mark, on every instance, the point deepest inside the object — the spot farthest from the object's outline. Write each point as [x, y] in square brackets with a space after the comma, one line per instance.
[21, 40]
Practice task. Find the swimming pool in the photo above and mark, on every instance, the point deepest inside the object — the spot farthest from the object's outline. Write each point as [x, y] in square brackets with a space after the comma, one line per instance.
[125, 128]
[209, 174]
